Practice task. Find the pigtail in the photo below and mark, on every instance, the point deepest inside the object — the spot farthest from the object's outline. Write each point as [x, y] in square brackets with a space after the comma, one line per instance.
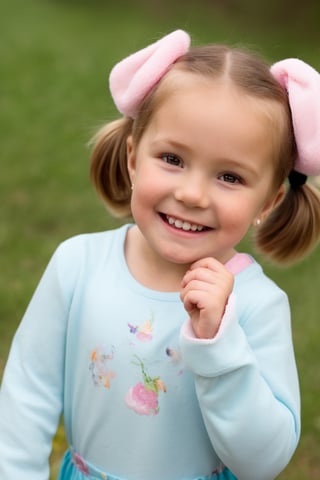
[108, 166]
[293, 228]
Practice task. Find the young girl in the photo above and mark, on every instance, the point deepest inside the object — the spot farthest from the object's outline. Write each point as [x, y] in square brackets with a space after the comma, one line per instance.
[168, 352]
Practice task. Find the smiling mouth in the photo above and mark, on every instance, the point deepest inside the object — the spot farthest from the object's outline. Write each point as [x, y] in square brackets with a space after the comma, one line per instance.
[184, 225]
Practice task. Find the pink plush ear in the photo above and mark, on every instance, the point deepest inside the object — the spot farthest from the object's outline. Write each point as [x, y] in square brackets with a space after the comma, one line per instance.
[132, 78]
[302, 83]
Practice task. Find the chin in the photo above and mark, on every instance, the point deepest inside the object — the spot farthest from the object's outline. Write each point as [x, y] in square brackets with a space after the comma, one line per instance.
[179, 259]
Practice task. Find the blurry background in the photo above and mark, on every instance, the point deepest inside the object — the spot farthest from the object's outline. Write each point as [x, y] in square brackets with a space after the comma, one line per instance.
[54, 62]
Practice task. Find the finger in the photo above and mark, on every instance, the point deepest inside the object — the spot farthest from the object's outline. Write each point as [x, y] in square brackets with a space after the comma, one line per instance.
[195, 299]
[222, 279]
[202, 296]
[197, 286]
[202, 274]
[208, 262]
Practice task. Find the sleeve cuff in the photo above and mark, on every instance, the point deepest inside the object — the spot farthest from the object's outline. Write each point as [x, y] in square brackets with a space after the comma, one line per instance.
[225, 352]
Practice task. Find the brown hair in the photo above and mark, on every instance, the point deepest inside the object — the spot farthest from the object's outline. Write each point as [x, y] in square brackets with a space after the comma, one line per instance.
[293, 228]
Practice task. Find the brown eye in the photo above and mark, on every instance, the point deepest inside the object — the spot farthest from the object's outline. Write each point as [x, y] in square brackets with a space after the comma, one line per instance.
[230, 178]
[172, 160]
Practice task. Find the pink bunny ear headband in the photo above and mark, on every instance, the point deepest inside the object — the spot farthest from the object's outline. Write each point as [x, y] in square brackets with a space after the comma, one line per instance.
[133, 78]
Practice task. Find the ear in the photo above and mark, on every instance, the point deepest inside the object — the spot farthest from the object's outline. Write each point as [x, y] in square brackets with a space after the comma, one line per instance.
[272, 202]
[131, 158]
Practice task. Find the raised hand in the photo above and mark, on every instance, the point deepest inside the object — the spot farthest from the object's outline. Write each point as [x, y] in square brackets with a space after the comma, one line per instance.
[205, 289]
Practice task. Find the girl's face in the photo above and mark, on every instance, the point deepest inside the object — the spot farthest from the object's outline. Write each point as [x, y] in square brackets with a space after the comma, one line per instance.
[202, 172]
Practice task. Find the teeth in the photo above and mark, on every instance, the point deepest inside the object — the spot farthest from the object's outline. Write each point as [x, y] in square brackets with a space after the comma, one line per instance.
[185, 225]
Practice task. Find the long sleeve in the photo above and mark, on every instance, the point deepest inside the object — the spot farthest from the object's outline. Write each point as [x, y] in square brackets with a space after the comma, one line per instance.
[31, 395]
[246, 383]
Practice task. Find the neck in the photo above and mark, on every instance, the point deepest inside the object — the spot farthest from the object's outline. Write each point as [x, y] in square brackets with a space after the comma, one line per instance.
[148, 268]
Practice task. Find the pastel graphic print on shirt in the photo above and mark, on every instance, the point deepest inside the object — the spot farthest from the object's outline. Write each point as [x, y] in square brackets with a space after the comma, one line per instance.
[143, 332]
[99, 367]
[143, 397]
[175, 357]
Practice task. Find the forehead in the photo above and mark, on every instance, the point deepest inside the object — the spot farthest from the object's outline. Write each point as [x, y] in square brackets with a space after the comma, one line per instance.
[181, 91]
[189, 95]
[178, 80]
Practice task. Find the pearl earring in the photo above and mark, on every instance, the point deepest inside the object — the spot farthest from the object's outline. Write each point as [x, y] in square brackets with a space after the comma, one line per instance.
[258, 222]
[132, 186]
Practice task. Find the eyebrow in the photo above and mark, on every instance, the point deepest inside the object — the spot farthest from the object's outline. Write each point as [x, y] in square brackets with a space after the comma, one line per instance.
[239, 165]
[173, 143]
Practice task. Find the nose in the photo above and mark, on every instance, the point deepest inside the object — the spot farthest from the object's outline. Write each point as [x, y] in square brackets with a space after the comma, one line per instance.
[193, 191]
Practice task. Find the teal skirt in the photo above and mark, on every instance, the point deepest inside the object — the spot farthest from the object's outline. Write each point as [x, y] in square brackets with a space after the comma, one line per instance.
[74, 467]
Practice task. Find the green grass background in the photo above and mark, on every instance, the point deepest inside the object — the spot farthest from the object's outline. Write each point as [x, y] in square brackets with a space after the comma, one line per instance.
[54, 62]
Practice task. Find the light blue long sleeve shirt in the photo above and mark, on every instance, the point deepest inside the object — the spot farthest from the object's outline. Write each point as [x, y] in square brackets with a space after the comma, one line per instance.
[141, 397]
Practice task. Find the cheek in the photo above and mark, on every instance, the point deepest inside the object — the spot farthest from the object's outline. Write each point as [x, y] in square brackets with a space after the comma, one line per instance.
[239, 214]
[238, 225]
[142, 198]
[150, 185]
[142, 191]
